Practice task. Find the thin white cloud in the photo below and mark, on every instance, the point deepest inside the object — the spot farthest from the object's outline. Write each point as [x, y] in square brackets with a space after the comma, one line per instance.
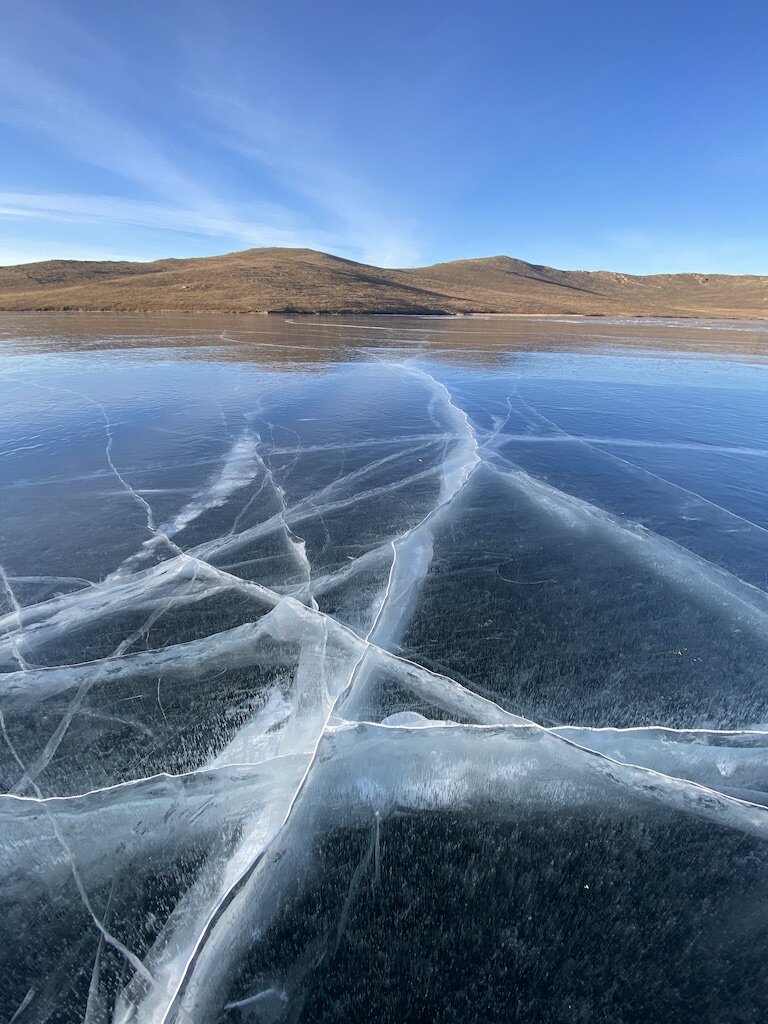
[332, 210]
[274, 228]
[37, 100]
[298, 159]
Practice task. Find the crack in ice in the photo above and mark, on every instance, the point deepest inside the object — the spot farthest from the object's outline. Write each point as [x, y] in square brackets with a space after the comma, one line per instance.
[324, 707]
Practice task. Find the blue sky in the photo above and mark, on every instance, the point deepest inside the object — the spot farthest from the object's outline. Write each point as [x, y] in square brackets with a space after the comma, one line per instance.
[630, 136]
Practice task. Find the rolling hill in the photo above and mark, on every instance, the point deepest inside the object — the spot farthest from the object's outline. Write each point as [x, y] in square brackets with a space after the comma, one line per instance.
[304, 281]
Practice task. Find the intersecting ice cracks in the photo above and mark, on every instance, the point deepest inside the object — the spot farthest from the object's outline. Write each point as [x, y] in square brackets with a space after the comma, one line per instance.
[308, 736]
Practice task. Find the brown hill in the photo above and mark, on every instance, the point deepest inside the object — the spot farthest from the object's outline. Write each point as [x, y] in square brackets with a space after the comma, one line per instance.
[304, 281]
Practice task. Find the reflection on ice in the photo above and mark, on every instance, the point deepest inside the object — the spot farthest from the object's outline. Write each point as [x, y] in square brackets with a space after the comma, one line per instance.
[297, 671]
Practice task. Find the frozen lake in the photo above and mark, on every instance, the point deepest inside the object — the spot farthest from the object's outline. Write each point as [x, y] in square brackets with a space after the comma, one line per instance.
[383, 669]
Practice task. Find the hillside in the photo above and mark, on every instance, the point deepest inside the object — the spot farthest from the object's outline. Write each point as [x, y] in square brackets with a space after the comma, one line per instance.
[304, 281]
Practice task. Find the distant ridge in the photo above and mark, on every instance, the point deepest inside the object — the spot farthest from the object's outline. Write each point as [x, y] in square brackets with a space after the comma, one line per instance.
[305, 281]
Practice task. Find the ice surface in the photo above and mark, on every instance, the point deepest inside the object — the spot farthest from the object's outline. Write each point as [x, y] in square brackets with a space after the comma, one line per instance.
[397, 670]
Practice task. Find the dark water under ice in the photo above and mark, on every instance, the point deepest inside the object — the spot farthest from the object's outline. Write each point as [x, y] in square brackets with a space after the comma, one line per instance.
[383, 669]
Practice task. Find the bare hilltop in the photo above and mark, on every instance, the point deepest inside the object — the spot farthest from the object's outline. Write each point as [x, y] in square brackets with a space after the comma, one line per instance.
[304, 281]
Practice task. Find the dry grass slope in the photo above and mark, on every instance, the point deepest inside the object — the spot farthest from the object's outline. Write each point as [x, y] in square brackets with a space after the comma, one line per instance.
[304, 281]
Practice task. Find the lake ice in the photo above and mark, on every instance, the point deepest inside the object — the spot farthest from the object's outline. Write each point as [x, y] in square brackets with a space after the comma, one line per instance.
[384, 669]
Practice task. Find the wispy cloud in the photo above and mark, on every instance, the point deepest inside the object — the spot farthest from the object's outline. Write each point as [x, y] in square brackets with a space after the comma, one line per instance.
[331, 209]
[246, 227]
[298, 158]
